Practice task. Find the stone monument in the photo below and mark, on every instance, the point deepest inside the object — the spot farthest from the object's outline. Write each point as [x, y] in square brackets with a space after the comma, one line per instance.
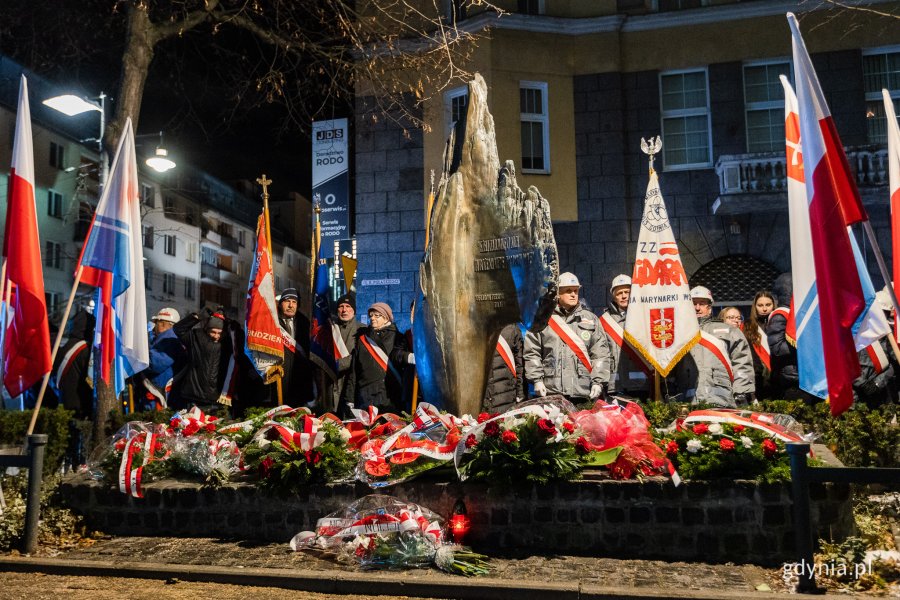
[491, 260]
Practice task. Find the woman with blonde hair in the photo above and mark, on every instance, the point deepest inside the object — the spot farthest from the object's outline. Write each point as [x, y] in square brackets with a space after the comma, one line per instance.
[731, 315]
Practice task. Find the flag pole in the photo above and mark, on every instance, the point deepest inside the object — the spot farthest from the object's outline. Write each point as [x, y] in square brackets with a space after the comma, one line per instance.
[4, 288]
[415, 384]
[882, 266]
[53, 353]
[264, 182]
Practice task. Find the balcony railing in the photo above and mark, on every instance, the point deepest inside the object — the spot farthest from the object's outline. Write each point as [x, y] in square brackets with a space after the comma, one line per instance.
[210, 272]
[230, 244]
[765, 172]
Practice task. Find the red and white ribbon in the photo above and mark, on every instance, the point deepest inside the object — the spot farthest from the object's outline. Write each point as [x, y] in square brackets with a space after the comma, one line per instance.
[506, 354]
[718, 349]
[340, 348]
[571, 339]
[878, 356]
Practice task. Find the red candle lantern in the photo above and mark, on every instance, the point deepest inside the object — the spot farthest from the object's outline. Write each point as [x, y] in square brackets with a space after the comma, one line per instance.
[460, 523]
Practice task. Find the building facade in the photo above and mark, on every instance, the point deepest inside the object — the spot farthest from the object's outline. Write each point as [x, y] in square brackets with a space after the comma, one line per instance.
[574, 86]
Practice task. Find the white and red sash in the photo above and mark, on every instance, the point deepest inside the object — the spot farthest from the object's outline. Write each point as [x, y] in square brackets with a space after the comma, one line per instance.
[68, 360]
[572, 340]
[379, 355]
[762, 348]
[719, 350]
[617, 335]
[156, 393]
[506, 354]
[289, 342]
[878, 356]
[340, 348]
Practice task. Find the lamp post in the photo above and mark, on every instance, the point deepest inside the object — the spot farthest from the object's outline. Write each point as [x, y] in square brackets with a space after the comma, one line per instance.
[71, 105]
[160, 161]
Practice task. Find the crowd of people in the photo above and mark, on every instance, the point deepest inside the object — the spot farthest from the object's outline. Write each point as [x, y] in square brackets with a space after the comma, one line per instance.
[199, 360]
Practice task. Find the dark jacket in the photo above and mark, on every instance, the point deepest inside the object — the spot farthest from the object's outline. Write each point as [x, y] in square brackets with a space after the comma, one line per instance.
[334, 389]
[70, 369]
[370, 385]
[200, 381]
[503, 387]
[297, 383]
[784, 376]
[875, 384]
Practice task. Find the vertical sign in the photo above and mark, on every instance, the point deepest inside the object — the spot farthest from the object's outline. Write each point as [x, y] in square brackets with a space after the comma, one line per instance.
[330, 178]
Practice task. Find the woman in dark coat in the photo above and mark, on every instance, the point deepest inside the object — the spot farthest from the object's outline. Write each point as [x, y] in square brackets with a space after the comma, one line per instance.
[505, 384]
[380, 355]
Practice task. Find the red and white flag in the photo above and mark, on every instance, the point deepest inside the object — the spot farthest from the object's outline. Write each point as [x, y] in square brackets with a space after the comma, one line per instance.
[834, 204]
[26, 349]
[660, 323]
[264, 344]
[893, 136]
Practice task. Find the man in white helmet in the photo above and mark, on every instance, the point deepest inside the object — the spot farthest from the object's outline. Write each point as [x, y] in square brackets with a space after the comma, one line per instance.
[719, 369]
[630, 373]
[571, 355]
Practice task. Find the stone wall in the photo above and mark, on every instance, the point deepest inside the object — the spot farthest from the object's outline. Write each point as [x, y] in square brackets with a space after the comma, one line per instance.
[712, 521]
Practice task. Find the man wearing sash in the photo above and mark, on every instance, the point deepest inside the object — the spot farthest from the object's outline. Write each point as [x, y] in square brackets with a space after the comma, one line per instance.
[297, 382]
[630, 373]
[375, 377]
[719, 369]
[344, 329]
[506, 382]
[571, 355]
[166, 354]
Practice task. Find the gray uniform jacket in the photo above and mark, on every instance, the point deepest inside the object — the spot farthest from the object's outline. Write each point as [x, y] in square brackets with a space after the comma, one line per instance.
[335, 388]
[549, 359]
[703, 378]
[626, 375]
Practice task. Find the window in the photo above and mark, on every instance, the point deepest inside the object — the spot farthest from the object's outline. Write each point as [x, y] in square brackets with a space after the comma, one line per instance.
[169, 244]
[278, 287]
[57, 156]
[531, 7]
[148, 278]
[242, 238]
[290, 258]
[54, 204]
[279, 257]
[535, 127]
[667, 5]
[148, 197]
[764, 104]
[169, 284]
[52, 300]
[456, 102]
[148, 236]
[881, 69]
[169, 206]
[209, 256]
[191, 251]
[684, 100]
[189, 288]
[240, 268]
[53, 255]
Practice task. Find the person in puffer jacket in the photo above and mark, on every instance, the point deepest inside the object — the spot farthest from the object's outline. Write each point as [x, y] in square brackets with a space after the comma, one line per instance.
[718, 369]
[505, 384]
[575, 362]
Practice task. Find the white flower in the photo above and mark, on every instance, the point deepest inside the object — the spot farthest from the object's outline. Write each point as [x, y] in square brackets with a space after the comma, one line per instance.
[694, 446]
[715, 428]
[345, 434]
[747, 442]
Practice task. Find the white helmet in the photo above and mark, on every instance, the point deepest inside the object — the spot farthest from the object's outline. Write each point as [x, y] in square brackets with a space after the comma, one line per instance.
[167, 314]
[883, 298]
[568, 280]
[701, 292]
[619, 281]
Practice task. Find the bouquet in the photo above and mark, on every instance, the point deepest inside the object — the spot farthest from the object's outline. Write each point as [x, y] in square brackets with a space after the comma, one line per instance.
[135, 454]
[427, 442]
[299, 450]
[536, 442]
[701, 450]
[383, 532]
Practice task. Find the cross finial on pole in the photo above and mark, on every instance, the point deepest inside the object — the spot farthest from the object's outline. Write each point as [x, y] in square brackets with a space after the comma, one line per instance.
[265, 183]
[651, 147]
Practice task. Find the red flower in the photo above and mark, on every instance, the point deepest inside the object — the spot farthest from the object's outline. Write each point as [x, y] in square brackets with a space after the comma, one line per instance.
[120, 444]
[510, 437]
[378, 467]
[738, 428]
[546, 426]
[471, 441]
[211, 427]
[484, 417]
[313, 456]
[726, 445]
[492, 429]
[769, 448]
[672, 448]
[569, 426]
[701, 428]
[582, 445]
[191, 428]
[265, 467]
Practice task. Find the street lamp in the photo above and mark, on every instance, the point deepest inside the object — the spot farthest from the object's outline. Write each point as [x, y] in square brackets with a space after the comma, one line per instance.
[71, 105]
[160, 161]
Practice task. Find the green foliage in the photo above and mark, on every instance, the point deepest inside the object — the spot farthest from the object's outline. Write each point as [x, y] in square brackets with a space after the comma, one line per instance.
[58, 526]
[661, 414]
[860, 437]
[54, 422]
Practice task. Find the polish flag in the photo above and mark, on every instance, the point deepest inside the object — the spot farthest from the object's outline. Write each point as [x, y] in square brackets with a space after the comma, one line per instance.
[834, 204]
[893, 135]
[26, 349]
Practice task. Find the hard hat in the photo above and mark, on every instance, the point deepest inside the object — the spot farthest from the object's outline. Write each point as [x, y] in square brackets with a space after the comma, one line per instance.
[883, 297]
[167, 314]
[619, 281]
[701, 293]
[568, 280]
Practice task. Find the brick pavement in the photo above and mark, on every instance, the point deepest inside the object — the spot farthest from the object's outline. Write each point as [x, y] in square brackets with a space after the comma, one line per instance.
[604, 572]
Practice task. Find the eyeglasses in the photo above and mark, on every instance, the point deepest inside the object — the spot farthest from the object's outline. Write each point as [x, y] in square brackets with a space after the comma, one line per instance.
[736, 318]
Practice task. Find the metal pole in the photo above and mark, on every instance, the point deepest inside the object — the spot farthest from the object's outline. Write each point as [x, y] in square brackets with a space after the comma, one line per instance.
[104, 163]
[802, 529]
[36, 444]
